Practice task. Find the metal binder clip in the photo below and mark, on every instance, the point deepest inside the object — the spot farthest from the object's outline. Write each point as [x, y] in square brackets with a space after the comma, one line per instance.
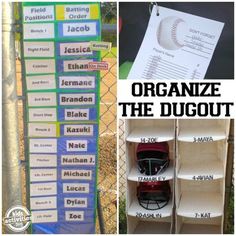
[151, 6]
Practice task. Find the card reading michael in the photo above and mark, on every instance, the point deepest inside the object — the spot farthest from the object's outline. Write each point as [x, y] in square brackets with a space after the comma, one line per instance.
[176, 45]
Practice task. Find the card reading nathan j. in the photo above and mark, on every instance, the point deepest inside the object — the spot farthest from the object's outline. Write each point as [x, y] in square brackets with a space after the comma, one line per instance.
[176, 46]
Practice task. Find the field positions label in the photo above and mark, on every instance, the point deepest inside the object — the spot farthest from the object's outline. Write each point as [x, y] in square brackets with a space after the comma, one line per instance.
[78, 29]
[38, 31]
[44, 216]
[42, 114]
[42, 99]
[43, 145]
[74, 65]
[42, 66]
[77, 174]
[74, 216]
[38, 13]
[43, 160]
[40, 203]
[76, 202]
[75, 188]
[39, 49]
[77, 82]
[42, 130]
[38, 175]
[82, 160]
[77, 12]
[74, 49]
[75, 130]
[77, 99]
[38, 82]
[76, 145]
[43, 189]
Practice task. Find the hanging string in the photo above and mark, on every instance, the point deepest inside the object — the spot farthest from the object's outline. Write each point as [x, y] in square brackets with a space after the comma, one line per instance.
[151, 5]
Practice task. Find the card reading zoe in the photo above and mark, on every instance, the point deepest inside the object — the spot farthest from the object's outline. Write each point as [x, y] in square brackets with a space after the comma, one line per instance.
[176, 45]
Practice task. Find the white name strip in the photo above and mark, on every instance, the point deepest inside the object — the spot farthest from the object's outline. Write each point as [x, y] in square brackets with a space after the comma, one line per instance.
[42, 114]
[44, 216]
[42, 99]
[78, 160]
[40, 203]
[39, 31]
[76, 174]
[43, 189]
[40, 82]
[43, 160]
[37, 175]
[42, 130]
[43, 145]
[42, 66]
[38, 49]
[75, 188]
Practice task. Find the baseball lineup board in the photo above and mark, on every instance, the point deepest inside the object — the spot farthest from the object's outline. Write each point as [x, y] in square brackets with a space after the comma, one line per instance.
[62, 114]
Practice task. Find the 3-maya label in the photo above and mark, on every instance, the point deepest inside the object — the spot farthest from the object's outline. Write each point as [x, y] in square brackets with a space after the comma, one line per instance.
[62, 114]
[196, 175]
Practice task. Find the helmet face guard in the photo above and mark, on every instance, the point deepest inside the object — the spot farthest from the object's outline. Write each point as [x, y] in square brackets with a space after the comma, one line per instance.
[153, 158]
[153, 196]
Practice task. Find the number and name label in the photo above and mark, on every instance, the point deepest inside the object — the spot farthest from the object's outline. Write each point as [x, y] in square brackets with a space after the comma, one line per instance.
[151, 178]
[149, 140]
[203, 215]
[203, 177]
[148, 215]
[202, 139]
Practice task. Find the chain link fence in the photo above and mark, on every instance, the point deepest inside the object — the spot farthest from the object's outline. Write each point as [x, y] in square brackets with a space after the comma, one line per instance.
[107, 170]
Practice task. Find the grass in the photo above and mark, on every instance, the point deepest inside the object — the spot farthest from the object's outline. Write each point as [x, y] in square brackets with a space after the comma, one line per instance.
[122, 217]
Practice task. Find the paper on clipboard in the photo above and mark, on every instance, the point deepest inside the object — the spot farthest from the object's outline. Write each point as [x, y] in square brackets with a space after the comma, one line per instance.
[176, 46]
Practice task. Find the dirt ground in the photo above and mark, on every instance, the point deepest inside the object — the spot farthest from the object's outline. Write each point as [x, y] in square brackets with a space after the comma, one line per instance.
[107, 144]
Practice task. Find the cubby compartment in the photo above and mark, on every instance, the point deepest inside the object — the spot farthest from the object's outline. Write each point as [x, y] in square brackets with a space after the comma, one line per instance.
[133, 172]
[201, 161]
[199, 206]
[185, 225]
[149, 226]
[149, 130]
[202, 130]
[136, 210]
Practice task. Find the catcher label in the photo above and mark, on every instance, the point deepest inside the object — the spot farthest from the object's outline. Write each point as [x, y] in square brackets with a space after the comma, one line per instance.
[176, 46]
[40, 66]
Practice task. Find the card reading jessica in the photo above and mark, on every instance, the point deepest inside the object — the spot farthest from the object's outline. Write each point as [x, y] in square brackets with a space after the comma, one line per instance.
[176, 45]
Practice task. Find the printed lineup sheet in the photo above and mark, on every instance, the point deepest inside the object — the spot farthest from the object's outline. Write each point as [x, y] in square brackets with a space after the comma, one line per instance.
[176, 46]
[62, 114]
